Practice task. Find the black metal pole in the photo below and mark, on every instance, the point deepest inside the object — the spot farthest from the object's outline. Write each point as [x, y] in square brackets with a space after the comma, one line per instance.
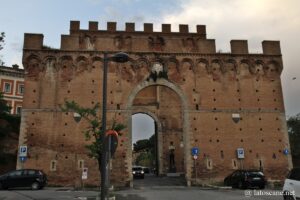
[103, 153]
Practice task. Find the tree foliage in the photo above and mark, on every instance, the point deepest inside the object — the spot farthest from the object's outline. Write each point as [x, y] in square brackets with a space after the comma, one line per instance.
[9, 125]
[2, 36]
[145, 144]
[94, 130]
[293, 124]
[146, 151]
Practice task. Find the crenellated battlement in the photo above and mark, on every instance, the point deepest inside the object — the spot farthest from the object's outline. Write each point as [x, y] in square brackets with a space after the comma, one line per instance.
[130, 28]
[131, 40]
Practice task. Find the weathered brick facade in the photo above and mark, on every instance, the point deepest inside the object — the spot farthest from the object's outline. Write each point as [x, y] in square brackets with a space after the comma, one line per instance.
[192, 106]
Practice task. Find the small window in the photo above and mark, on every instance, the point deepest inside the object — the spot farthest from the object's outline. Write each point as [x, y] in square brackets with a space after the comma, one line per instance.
[222, 154]
[53, 164]
[261, 165]
[80, 164]
[234, 164]
[209, 164]
[21, 89]
[7, 88]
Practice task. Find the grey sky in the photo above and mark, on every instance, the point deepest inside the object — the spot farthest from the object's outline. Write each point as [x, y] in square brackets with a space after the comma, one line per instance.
[142, 127]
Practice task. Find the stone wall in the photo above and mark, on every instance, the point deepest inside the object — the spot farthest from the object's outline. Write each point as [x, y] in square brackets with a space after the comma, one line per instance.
[197, 98]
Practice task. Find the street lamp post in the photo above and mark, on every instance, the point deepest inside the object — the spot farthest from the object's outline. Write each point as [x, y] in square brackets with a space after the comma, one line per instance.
[120, 58]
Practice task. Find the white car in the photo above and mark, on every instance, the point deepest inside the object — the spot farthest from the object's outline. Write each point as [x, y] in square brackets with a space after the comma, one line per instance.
[291, 188]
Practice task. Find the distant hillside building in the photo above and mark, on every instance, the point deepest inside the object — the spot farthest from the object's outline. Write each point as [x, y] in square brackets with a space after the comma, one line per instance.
[12, 87]
[229, 105]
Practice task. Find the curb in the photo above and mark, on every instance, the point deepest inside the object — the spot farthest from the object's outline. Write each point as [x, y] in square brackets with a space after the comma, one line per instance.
[219, 187]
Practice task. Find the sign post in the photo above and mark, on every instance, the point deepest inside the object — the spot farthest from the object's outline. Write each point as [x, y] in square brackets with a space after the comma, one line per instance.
[195, 152]
[240, 155]
[23, 154]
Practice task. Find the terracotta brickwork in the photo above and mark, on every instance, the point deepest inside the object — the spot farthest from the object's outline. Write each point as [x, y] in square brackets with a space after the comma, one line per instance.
[178, 78]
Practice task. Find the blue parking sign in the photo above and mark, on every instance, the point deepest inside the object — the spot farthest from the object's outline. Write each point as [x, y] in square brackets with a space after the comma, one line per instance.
[22, 158]
[23, 151]
[240, 153]
[195, 151]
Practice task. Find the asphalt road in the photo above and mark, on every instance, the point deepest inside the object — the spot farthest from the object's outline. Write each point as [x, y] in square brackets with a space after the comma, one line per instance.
[150, 188]
[150, 193]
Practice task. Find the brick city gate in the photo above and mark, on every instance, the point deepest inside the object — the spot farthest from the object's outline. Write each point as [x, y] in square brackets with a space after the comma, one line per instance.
[194, 92]
[165, 103]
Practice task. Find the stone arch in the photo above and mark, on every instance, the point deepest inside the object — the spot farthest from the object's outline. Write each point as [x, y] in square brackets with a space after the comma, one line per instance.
[173, 70]
[96, 63]
[244, 68]
[258, 67]
[159, 129]
[201, 67]
[32, 66]
[231, 67]
[188, 61]
[184, 101]
[66, 67]
[216, 67]
[81, 64]
[272, 68]
[50, 63]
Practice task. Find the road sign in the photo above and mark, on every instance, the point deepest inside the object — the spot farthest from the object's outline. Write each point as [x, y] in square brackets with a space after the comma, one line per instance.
[195, 157]
[22, 158]
[240, 153]
[23, 151]
[84, 173]
[112, 141]
[195, 151]
[285, 151]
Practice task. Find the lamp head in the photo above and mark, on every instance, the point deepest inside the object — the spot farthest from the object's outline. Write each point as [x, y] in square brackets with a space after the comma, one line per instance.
[120, 57]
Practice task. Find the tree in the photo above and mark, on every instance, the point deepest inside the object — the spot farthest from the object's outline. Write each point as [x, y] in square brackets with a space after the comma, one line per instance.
[2, 36]
[9, 129]
[94, 130]
[293, 124]
[145, 150]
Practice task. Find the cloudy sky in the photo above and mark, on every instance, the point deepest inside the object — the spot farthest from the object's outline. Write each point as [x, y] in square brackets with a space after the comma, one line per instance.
[254, 20]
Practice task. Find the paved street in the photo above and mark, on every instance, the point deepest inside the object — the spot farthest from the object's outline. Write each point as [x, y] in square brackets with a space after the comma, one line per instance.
[150, 188]
[151, 193]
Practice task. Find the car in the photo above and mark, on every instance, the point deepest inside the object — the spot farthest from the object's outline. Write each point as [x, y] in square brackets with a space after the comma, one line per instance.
[291, 187]
[246, 179]
[138, 172]
[35, 179]
[146, 170]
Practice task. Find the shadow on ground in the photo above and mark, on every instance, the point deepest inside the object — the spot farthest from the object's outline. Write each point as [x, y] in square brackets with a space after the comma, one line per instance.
[129, 197]
[154, 181]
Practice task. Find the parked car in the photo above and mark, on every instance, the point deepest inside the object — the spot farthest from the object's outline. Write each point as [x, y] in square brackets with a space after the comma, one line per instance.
[291, 188]
[245, 179]
[138, 172]
[35, 179]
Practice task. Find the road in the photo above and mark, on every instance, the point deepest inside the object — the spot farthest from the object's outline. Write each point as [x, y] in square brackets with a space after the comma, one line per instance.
[155, 192]
[150, 188]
